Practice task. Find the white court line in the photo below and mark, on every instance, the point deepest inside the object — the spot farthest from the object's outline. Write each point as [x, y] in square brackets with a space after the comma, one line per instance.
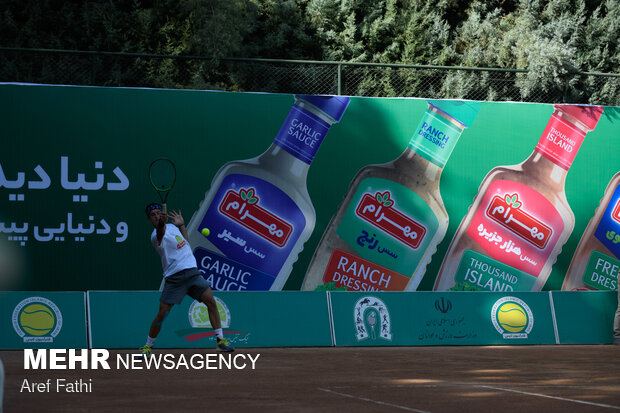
[553, 397]
[373, 401]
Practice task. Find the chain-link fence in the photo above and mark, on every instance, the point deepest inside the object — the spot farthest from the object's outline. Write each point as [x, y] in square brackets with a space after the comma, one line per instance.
[310, 77]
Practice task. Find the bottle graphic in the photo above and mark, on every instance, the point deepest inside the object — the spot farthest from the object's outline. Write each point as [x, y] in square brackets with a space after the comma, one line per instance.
[258, 212]
[520, 219]
[596, 261]
[389, 224]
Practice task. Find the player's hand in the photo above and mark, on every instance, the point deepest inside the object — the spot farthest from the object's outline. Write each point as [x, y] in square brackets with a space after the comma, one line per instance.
[177, 218]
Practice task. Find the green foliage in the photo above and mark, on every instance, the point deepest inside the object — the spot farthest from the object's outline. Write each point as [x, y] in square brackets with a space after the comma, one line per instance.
[330, 286]
[553, 40]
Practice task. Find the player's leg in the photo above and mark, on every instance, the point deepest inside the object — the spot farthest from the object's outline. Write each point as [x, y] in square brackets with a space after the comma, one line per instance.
[164, 310]
[214, 316]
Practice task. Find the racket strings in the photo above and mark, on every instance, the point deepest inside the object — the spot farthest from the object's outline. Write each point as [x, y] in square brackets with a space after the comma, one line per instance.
[162, 174]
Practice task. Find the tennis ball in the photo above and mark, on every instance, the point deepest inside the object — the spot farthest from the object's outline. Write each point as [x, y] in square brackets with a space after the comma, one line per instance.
[512, 317]
[205, 232]
[37, 319]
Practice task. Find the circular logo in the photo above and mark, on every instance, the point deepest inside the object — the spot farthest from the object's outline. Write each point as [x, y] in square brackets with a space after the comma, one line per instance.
[37, 319]
[199, 314]
[512, 317]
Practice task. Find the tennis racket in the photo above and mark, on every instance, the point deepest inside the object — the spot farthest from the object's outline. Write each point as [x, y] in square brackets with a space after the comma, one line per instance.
[163, 175]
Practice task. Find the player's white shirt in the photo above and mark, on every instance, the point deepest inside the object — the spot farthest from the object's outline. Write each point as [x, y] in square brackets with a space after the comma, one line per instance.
[176, 254]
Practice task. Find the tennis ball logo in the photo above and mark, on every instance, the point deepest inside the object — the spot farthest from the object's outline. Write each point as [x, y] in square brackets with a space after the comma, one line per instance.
[37, 319]
[512, 317]
[199, 314]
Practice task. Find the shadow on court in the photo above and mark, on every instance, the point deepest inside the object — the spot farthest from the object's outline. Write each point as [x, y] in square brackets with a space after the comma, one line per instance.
[580, 378]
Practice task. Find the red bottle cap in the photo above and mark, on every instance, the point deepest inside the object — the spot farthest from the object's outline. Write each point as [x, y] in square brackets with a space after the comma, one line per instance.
[586, 114]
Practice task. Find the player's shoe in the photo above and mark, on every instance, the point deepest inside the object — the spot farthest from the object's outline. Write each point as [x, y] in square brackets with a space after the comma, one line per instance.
[222, 345]
[146, 351]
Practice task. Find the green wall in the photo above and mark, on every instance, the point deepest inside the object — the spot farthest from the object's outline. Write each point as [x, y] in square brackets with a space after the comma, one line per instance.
[200, 131]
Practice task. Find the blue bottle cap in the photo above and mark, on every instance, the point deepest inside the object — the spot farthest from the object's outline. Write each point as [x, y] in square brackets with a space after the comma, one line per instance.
[464, 111]
[334, 106]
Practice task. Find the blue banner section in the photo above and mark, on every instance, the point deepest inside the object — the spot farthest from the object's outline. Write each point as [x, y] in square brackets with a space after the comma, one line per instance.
[42, 320]
[302, 133]
[225, 274]
[608, 230]
[253, 222]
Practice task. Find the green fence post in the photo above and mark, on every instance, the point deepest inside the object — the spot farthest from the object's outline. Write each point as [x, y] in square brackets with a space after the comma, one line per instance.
[339, 79]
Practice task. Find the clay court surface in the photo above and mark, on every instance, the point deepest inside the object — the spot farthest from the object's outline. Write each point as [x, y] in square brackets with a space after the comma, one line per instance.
[522, 379]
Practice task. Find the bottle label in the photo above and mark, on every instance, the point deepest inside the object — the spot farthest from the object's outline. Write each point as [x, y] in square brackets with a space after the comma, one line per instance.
[254, 223]
[301, 134]
[435, 138]
[608, 230]
[560, 141]
[358, 274]
[225, 274]
[601, 272]
[517, 226]
[386, 224]
[478, 272]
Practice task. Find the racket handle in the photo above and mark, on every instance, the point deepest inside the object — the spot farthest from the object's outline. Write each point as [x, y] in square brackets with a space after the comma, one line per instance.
[165, 210]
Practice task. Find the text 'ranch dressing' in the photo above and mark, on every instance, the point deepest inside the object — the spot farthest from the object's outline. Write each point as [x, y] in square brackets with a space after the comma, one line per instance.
[389, 224]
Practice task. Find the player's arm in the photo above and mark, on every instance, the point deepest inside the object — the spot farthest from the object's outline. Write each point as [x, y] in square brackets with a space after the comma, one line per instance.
[161, 227]
[179, 222]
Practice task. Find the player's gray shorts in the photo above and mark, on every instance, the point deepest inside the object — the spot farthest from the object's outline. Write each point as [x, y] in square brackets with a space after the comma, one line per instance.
[188, 281]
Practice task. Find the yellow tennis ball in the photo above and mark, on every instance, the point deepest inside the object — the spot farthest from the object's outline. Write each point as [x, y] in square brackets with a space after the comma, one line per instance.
[37, 319]
[511, 317]
[205, 232]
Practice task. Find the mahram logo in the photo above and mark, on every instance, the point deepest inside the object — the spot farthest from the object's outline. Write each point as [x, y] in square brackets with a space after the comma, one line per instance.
[372, 319]
[508, 213]
[512, 317]
[199, 314]
[37, 320]
[379, 210]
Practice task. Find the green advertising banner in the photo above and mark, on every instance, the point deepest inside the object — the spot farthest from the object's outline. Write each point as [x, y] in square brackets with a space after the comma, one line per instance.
[585, 317]
[121, 319]
[42, 320]
[450, 318]
[74, 184]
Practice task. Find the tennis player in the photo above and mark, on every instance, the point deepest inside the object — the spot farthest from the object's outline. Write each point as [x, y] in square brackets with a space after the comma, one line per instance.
[181, 274]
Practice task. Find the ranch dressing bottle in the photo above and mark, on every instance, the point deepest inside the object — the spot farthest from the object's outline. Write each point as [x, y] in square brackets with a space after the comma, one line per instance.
[596, 261]
[520, 218]
[258, 213]
[389, 224]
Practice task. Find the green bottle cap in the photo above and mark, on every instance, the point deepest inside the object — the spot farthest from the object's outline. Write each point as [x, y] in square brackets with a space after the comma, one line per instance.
[464, 111]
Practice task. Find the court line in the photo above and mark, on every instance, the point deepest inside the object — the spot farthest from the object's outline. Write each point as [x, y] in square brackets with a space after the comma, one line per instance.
[373, 401]
[553, 397]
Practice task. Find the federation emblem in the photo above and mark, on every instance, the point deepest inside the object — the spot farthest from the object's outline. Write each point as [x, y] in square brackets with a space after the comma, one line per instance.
[199, 314]
[372, 319]
[512, 317]
[37, 320]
